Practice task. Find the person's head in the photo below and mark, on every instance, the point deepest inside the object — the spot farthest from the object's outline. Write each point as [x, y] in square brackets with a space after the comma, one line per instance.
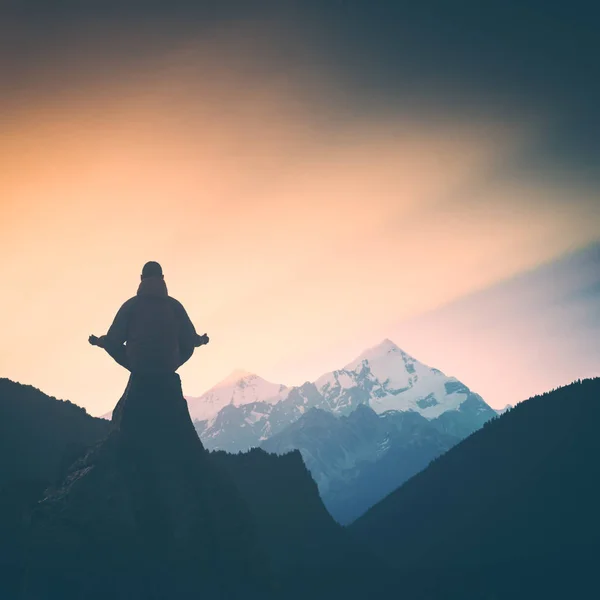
[152, 269]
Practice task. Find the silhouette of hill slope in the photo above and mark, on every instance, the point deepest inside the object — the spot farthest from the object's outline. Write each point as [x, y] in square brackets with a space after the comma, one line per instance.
[144, 513]
[143, 502]
[38, 431]
[311, 555]
[512, 511]
[38, 435]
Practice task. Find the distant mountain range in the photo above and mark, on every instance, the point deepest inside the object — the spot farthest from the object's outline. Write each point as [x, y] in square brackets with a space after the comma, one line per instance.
[362, 430]
[359, 459]
[385, 378]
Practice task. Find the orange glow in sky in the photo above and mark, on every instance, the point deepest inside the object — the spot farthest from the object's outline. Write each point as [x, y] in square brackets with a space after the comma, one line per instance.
[294, 239]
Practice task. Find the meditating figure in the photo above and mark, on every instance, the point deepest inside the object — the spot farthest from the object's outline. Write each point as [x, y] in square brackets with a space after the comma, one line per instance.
[152, 332]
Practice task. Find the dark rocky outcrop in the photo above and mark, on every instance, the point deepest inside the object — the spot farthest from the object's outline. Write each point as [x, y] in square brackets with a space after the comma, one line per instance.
[144, 514]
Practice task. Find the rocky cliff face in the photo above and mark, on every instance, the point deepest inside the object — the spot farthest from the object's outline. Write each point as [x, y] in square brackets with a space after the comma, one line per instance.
[145, 514]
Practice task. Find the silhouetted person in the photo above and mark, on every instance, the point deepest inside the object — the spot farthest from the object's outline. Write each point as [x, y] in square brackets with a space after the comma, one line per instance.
[152, 332]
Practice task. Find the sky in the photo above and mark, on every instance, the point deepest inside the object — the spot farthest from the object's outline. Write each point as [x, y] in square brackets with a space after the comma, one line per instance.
[313, 176]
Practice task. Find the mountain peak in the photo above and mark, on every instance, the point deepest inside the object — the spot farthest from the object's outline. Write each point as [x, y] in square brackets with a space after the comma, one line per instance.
[234, 377]
[382, 349]
[387, 345]
[238, 388]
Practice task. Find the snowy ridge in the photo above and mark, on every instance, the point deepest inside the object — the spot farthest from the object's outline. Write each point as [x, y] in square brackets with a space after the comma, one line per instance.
[384, 378]
[393, 380]
[238, 389]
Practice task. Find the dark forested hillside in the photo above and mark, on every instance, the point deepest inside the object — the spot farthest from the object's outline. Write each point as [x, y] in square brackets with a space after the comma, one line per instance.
[285, 502]
[144, 514]
[38, 432]
[151, 483]
[39, 436]
[312, 556]
[512, 511]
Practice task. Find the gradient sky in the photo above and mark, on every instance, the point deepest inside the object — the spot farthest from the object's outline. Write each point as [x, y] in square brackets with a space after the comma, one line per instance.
[314, 176]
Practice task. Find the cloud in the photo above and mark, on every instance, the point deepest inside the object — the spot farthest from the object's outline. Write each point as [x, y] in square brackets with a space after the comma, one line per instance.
[293, 220]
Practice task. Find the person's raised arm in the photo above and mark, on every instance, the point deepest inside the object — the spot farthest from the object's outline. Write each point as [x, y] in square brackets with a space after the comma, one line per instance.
[117, 332]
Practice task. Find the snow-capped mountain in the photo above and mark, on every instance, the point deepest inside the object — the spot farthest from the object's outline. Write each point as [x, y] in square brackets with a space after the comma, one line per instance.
[240, 388]
[362, 430]
[379, 421]
[239, 428]
[385, 378]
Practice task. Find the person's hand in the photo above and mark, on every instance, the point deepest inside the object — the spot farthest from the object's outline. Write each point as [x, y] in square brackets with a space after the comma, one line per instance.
[202, 340]
[94, 340]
